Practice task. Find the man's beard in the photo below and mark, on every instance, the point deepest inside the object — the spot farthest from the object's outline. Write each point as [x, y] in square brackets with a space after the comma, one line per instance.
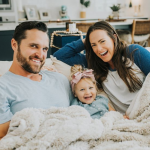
[26, 65]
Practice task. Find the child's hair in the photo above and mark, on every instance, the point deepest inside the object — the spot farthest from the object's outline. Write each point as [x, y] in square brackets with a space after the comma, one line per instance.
[78, 73]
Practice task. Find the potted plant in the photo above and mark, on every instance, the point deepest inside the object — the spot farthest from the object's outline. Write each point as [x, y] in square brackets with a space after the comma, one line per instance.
[85, 4]
[115, 9]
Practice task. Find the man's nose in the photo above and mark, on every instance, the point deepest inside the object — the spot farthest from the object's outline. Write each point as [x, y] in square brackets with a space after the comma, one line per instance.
[39, 53]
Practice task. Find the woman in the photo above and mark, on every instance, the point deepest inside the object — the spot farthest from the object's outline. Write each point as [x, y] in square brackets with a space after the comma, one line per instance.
[119, 69]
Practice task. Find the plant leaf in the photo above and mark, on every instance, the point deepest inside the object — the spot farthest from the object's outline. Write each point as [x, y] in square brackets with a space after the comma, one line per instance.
[87, 3]
[82, 2]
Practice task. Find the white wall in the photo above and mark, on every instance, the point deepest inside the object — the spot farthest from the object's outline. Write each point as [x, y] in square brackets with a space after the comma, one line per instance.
[97, 9]
[146, 8]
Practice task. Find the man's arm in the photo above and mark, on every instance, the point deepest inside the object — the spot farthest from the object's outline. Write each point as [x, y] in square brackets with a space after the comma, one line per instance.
[70, 53]
[3, 129]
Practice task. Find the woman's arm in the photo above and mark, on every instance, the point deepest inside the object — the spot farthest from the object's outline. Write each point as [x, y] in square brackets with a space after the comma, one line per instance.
[3, 129]
[110, 108]
[141, 57]
[70, 53]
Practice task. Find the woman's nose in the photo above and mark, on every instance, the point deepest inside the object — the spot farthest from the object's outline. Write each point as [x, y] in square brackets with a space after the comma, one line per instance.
[99, 48]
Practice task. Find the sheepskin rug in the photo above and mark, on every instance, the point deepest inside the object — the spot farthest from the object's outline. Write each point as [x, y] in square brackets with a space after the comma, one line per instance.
[72, 128]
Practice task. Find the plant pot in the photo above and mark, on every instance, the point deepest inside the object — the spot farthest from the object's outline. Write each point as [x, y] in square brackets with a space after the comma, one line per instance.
[115, 14]
[82, 14]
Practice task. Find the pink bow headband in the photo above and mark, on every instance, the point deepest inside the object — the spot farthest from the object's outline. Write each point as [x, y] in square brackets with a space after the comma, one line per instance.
[79, 75]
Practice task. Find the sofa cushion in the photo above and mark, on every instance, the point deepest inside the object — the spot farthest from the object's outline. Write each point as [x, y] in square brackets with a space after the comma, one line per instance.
[4, 66]
[61, 66]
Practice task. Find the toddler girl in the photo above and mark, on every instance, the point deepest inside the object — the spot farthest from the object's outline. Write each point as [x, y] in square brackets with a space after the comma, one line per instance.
[84, 88]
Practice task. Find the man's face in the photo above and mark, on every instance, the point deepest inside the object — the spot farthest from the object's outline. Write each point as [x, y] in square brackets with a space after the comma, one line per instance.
[32, 52]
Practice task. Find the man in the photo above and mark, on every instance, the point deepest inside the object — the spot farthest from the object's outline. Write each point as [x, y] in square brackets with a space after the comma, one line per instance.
[25, 85]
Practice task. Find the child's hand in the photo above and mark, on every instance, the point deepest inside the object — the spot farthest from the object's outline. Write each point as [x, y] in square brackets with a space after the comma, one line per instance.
[126, 117]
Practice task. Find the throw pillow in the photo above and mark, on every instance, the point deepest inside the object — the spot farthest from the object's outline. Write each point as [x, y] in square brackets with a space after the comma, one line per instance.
[61, 66]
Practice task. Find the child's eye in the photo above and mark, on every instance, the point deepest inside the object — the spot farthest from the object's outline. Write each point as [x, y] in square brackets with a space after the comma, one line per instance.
[82, 90]
[103, 41]
[90, 87]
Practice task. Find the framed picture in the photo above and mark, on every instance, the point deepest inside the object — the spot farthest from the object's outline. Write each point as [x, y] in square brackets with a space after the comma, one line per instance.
[31, 12]
[44, 14]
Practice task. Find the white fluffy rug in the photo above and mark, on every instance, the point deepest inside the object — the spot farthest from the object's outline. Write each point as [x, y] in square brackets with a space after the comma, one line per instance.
[73, 129]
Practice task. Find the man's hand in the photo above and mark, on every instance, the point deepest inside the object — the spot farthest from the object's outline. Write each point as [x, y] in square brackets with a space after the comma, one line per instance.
[3, 129]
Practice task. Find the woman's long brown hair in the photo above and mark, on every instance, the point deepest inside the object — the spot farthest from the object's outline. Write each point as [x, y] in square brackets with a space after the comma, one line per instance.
[119, 58]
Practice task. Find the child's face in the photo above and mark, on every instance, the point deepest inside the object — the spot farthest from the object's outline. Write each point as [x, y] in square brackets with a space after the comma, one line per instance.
[85, 90]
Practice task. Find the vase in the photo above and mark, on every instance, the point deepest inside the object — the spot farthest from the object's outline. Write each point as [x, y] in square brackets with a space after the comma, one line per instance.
[82, 14]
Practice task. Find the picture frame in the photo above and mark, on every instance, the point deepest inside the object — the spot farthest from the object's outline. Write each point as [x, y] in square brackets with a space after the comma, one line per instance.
[31, 12]
[45, 14]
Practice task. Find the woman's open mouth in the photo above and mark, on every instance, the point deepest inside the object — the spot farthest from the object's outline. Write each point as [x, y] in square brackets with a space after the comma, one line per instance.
[104, 53]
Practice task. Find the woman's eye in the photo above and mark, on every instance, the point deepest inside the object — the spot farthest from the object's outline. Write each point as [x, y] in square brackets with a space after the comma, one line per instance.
[102, 41]
[82, 90]
[92, 45]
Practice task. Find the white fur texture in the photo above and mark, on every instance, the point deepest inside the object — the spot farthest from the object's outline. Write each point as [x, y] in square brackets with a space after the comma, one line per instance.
[72, 128]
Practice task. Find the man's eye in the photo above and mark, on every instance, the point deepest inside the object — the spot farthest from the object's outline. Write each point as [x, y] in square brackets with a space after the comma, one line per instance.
[45, 49]
[34, 46]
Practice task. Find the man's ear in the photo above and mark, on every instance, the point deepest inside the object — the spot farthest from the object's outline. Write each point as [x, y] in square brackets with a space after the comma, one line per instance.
[14, 44]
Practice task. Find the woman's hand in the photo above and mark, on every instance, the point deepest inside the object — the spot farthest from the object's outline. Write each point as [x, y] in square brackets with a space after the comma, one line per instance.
[50, 68]
[110, 108]
[83, 40]
[126, 117]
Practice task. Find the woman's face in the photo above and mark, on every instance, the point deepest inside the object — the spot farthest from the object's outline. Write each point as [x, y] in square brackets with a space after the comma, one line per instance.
[102, 45]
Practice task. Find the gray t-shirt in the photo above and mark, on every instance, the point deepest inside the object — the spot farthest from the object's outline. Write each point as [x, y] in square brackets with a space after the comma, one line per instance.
[18, 92]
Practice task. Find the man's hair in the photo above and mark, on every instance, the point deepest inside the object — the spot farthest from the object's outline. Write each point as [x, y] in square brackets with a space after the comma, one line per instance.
[20, 30]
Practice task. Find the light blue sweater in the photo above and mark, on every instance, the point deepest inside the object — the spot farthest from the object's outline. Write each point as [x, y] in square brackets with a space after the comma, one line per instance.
[96, 109]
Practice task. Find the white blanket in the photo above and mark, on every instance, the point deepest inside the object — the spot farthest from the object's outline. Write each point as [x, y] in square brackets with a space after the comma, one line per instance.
[73, 129]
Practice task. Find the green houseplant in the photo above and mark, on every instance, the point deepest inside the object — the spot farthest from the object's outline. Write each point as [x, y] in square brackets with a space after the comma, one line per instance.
[85, 4]
[115, 9]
